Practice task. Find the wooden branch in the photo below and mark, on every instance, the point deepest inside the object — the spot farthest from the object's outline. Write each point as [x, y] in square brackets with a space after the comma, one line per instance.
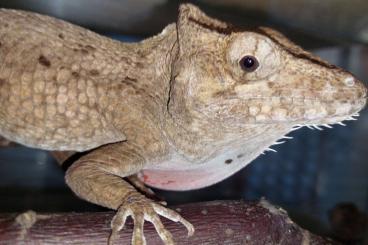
[217, 222]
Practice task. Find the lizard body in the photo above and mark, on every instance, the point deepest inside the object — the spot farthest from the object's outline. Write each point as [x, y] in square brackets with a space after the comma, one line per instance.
[182, 110]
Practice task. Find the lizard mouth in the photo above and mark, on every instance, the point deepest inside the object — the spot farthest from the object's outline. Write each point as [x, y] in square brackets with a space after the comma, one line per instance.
[346, 103]
[329, 106]
[301, 107]
[329, 122]
[289, 110]
[344, 112]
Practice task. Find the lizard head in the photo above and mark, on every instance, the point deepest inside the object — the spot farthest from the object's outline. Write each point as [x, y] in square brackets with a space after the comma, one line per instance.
[256, 77]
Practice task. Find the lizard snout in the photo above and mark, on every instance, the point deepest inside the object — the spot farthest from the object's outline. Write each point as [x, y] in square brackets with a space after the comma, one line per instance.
[356, 92]
[354, 83]
[358, 86]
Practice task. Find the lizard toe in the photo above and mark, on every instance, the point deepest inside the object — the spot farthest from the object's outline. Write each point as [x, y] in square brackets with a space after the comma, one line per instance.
[142, 209]
[138, 237]
[173, 216]
[117, 224]
[164, 234]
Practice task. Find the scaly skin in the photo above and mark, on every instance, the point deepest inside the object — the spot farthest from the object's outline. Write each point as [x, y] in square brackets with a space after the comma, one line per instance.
[176, 109]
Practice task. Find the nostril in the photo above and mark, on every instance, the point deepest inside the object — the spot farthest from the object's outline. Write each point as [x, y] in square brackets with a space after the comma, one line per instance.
[349, 81]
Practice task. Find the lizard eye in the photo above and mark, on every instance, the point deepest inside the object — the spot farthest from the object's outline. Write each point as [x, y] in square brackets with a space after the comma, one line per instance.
[249, 63]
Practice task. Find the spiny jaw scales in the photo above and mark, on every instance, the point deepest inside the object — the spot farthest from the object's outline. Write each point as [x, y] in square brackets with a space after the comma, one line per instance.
[312, 126]
[327, 125]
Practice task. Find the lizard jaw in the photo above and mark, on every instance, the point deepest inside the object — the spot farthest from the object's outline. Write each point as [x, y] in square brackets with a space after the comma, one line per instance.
[343, 112]
[328, 123]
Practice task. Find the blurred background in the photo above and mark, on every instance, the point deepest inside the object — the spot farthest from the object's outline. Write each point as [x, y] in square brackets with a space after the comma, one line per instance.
[309, 175]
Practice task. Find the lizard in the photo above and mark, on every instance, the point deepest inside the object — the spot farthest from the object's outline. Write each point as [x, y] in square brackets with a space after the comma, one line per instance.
[181, 110]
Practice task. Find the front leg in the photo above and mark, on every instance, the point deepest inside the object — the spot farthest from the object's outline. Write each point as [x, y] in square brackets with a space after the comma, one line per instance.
[141, 187]
[97, 177]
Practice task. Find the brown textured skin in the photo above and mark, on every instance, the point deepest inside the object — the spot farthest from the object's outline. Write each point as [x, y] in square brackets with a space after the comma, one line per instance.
[177, 109]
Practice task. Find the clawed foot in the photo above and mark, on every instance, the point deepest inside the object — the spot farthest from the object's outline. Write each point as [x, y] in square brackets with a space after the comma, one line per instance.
[140, 209]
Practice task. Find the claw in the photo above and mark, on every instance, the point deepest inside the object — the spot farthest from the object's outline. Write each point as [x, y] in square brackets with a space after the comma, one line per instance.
[142, 209]
[173, 216]
[164, 234]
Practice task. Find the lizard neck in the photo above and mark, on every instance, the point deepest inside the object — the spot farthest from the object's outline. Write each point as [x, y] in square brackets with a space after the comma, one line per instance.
[141, 90]
[146, 67]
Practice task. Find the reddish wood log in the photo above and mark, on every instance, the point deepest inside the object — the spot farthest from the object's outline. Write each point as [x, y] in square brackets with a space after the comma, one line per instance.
[217, 222]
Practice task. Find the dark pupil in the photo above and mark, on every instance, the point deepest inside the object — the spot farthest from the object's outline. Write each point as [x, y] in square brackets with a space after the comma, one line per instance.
[248, 62]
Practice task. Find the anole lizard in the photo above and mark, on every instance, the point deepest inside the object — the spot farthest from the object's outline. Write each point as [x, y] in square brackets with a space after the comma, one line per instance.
[181, 110]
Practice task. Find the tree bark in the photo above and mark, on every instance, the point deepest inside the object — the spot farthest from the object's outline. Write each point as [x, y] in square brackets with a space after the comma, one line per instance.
[217, 222]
